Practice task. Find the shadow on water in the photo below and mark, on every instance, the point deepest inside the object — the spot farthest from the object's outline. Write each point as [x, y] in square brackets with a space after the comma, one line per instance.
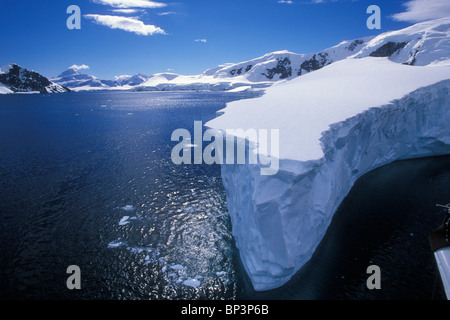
[385, 220]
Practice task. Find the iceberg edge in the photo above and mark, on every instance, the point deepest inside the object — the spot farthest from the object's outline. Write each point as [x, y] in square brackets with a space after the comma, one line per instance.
[278, 221]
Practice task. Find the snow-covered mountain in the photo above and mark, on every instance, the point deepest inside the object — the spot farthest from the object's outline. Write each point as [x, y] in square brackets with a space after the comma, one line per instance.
[285, 65]
[421, 44]
[14, 78]
[72, 78]
[135, 80]
[388, 101]
[78, 81]
[261, 72]
[424, 43]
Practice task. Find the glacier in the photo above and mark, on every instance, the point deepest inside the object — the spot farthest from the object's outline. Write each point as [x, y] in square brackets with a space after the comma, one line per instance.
[336, 124]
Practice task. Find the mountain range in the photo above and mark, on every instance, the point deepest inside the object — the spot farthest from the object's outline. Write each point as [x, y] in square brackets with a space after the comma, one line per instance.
[421, 44]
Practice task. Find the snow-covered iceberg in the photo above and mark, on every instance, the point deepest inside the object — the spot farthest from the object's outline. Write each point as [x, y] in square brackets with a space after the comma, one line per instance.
[335, 125]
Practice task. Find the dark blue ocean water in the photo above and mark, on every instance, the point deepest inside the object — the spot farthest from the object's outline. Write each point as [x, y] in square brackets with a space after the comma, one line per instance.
[86, 179]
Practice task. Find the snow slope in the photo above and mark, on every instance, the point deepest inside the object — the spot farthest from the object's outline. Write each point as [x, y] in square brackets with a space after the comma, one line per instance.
[166, 81]
[422, 44]
[335, 125]
[350, 85]
[4, 89]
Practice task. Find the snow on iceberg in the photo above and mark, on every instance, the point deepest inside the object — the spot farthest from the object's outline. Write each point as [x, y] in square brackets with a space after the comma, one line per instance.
[335, 125]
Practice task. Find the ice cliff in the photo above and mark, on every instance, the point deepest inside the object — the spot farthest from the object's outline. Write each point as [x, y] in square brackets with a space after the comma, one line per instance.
[335, 125]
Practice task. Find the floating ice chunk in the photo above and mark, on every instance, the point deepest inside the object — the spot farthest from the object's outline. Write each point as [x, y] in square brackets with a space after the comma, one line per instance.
[192, 283]
[128, 207]
[177, 267]
[138, 249]
[124, 221]
[115, 244]
[221, 273]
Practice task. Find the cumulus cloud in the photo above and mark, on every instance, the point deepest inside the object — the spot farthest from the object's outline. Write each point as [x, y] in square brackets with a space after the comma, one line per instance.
[421, 10]
[125, 23]
[78, 68]
[131, 3]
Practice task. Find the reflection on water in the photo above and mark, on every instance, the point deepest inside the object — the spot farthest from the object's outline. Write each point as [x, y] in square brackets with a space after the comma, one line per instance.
[87, 180]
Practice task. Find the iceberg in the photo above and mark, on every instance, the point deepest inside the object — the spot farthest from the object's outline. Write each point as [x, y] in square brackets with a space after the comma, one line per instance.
[335, 125]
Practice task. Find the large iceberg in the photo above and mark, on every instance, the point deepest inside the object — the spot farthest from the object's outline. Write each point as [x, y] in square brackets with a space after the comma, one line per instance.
[335, 125]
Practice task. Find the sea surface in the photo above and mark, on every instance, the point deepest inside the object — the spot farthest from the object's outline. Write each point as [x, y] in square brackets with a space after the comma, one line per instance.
[86, 179]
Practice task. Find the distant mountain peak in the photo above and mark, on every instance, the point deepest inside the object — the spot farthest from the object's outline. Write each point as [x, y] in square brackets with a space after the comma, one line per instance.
[7, 67]
[19, 79]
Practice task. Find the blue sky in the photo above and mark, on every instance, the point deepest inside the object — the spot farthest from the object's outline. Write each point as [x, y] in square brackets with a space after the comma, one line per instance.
[191, 36]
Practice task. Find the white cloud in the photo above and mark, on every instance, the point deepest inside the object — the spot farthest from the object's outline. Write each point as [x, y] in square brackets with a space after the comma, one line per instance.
[201, 40]
[166, 13]
[131, 3]
[77, 68]
[126, 11]
[125, 23]
[285, 1]
[420, 10]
